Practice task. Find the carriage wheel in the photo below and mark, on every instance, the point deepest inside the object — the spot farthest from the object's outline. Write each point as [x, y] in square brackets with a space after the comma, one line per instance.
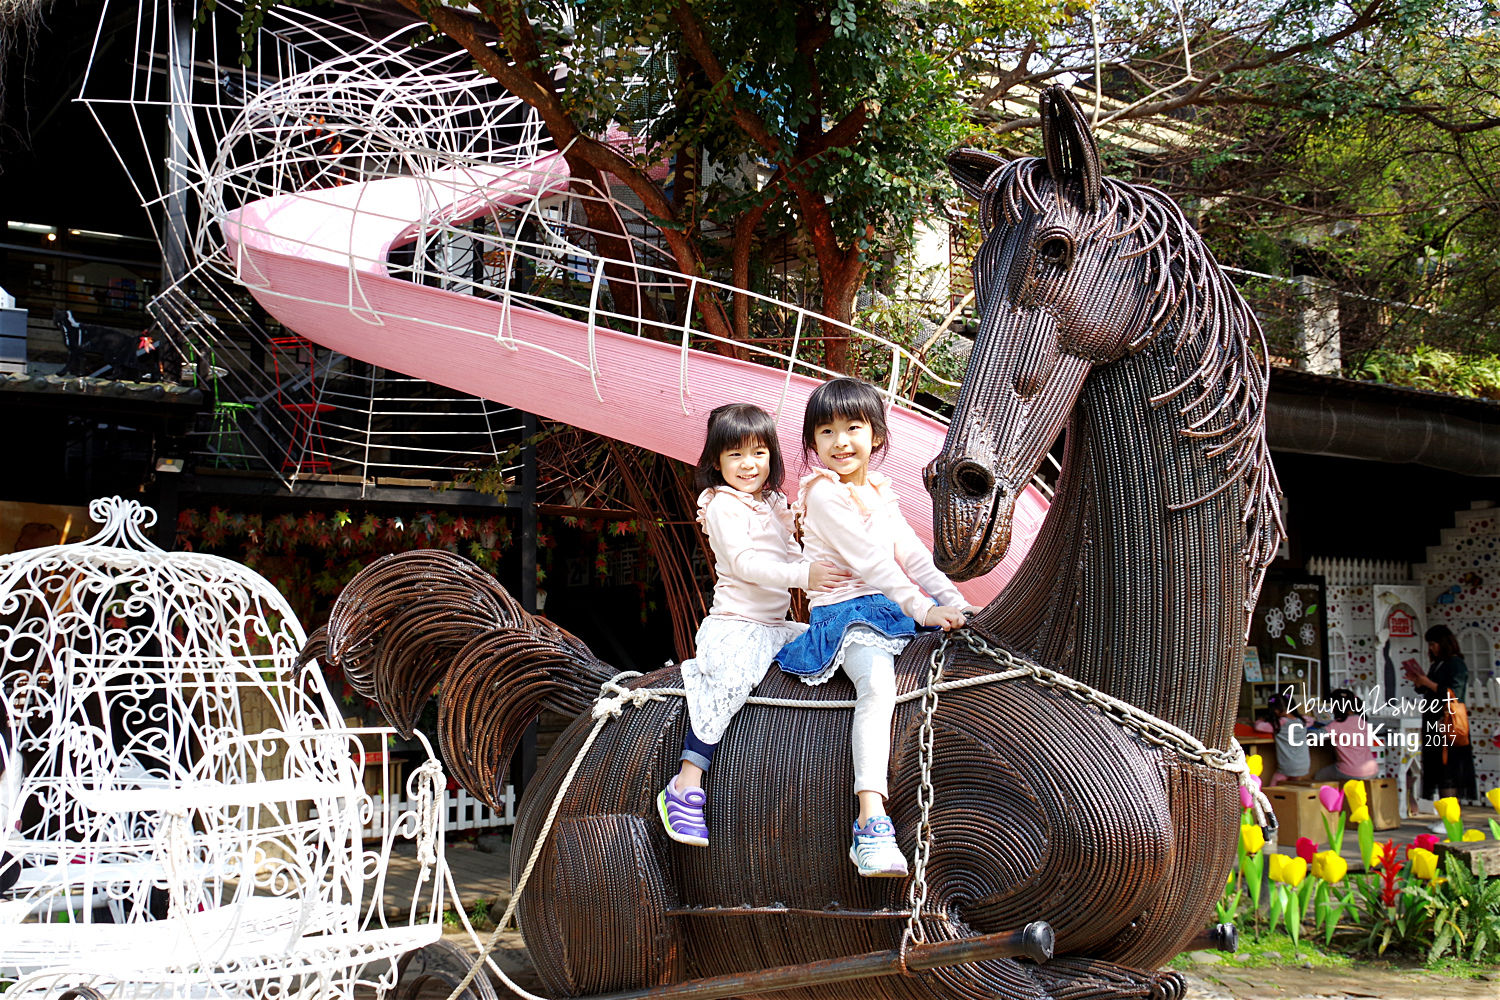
[432, 972]
[81, 993]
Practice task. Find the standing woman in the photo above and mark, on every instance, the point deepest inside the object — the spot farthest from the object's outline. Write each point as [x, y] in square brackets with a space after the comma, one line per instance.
[1446, 770]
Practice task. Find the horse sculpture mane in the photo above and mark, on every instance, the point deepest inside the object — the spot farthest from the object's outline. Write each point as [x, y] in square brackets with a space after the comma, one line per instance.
[1212, 327]
[1102, 313]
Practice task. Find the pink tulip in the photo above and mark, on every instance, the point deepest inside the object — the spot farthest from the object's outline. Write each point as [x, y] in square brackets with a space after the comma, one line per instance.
[1426, 842]
[1306, 849]
[1245, 798]
[1332, 798]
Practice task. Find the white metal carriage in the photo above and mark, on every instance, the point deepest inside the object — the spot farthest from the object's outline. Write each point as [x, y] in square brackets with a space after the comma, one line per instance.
[182, 804]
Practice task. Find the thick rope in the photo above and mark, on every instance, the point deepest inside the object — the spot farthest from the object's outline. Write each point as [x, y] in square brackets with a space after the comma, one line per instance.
[604, 710]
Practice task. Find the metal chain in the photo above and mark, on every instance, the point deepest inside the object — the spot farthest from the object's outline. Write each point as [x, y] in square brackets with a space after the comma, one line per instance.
[915, 933]
[1148, 727]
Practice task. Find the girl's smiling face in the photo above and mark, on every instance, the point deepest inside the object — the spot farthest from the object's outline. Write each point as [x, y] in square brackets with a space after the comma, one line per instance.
[745, 466]
[844, 445]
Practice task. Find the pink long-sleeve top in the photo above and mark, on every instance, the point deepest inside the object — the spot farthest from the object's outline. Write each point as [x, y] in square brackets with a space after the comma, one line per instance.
[756, 557]
[860, 528]
[1354, 746]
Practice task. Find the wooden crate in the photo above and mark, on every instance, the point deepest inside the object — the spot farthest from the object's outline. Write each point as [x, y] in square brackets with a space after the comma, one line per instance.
[1385, 807]
[1298, 813]
[1474, 853]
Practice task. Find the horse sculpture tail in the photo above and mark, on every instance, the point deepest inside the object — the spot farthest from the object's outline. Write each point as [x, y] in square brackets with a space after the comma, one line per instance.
[417, 620]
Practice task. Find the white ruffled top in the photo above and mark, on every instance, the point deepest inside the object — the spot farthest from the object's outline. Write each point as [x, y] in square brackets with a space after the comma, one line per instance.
[861, 529]
[756, 556]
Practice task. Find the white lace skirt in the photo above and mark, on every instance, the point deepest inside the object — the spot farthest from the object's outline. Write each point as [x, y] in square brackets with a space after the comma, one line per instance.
[733, 656]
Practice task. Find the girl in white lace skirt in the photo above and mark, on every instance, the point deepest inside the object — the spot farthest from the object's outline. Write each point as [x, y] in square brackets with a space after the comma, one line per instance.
[757, 561]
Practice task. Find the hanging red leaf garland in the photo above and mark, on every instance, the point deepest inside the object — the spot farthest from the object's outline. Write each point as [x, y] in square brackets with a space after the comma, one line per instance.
[310, 558]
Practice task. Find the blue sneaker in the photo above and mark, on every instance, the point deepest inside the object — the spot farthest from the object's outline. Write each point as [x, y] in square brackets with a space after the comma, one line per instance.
[875, 851]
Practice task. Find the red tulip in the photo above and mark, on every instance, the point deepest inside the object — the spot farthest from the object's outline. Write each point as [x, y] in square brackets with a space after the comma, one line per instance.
[1306, 849]
[1426, 841]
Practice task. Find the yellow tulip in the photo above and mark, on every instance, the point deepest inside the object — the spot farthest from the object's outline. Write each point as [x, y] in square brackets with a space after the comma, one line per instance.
[1258, 763]
[1360, 814]
[1377, 856]
[1494, 796]
[1423, 863]
[1252, 837]
[1276, 868]
[1330, 867]
[1448, 810]
[1354, 793]
[1473, 834]
[1295, 870]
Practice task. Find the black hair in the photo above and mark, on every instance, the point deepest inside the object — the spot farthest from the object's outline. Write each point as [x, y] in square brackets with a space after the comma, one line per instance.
[1447, 642]
[1344, 702]
[735, 425]
[847, 399]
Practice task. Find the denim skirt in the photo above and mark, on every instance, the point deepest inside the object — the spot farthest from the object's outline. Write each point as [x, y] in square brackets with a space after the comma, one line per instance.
[815, 653]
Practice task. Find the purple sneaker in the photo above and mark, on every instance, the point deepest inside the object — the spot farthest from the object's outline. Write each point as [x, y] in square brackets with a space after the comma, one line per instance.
[682, 815]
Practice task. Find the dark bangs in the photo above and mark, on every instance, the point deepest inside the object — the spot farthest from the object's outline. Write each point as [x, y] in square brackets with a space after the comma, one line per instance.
[736, 425]
[849, 399]
[1447, 642]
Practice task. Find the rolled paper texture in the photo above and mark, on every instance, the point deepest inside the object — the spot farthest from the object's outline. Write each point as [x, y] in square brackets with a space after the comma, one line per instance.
[1423, 863]
[1354, 792]
[1331, 798]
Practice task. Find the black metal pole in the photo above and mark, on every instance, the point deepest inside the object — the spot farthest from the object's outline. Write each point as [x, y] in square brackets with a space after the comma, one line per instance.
[1034, 941]
[523, 763]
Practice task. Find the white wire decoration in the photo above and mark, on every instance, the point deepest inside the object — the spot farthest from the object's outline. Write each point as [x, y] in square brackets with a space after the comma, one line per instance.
[184, 803]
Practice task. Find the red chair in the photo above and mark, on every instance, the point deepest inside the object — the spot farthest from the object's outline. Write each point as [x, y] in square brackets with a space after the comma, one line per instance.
[306, 451]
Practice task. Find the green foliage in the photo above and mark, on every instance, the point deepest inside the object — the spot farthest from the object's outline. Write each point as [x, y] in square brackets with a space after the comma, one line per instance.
[1460, 913]
[1428, 367]
[908, 324]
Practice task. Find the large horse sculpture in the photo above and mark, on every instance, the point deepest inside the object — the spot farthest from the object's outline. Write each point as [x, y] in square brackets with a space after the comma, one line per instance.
[1104, 317]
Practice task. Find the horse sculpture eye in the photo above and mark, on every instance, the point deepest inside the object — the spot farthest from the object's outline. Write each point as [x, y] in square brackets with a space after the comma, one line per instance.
[1055, 250]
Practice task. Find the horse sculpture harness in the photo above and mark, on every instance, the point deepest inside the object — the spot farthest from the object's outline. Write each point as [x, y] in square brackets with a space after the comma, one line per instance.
[614, 698]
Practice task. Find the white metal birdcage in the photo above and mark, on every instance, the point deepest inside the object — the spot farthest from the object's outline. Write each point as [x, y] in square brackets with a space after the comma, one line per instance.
[182, 806]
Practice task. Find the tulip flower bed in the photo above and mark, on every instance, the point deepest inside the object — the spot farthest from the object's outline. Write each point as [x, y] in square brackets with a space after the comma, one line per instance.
[1404, 900]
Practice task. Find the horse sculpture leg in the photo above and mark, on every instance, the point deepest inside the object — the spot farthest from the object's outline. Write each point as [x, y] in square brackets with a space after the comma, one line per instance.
[595, 913]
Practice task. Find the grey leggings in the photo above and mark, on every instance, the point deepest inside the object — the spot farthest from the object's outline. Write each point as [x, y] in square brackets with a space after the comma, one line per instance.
[873, 671]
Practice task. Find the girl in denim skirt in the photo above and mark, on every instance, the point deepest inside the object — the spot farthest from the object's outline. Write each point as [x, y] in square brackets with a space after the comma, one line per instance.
[851, 519]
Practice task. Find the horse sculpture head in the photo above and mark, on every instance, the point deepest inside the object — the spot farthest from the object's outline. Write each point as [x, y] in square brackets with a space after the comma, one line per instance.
[1075, 272]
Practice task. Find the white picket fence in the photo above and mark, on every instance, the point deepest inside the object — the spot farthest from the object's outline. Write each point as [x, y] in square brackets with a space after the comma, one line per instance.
[465, 812]
[1358, 572]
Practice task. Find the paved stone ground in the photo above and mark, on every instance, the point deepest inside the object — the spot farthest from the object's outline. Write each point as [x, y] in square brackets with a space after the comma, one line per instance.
[1357, 983]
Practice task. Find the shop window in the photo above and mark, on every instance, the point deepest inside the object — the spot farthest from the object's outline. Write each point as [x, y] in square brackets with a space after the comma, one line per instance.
[1479, 654]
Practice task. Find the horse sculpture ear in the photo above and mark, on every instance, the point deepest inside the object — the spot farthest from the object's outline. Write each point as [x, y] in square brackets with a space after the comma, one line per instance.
[1072, 151]
[972, 167]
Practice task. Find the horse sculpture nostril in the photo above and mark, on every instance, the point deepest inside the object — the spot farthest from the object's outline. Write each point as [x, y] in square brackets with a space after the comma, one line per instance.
[972, 479]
